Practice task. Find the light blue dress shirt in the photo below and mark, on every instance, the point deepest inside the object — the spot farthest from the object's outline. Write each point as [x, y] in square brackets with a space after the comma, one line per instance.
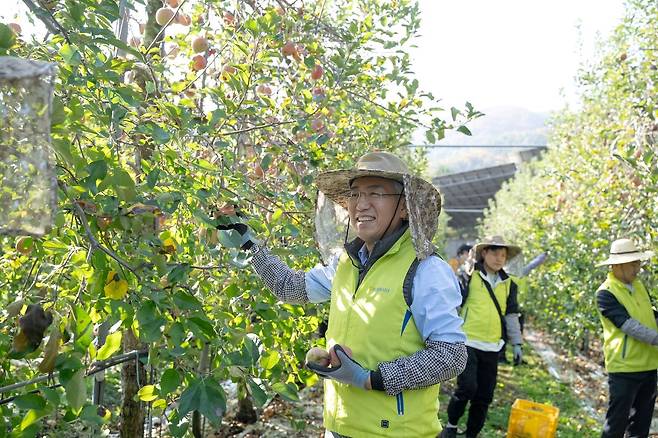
[436, 296]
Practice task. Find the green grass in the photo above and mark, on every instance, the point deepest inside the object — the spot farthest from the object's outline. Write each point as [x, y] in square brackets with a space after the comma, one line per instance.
[529, 381]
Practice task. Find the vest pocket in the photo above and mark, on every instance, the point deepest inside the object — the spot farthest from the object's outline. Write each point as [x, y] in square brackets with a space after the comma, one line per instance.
[623, 347]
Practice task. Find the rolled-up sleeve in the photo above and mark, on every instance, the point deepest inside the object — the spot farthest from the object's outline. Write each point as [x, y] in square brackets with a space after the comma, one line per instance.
[436, 296]
[319, 279]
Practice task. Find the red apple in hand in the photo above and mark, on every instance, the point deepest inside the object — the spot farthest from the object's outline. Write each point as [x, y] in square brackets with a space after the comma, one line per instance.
[318, 356]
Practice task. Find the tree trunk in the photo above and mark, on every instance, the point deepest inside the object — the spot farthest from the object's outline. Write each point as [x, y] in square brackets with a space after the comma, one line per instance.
[204, 363]
[132, 412]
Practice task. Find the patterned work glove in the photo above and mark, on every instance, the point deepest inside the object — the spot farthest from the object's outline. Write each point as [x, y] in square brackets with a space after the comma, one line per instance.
[349, 371]
[518, 354]
[243, 229]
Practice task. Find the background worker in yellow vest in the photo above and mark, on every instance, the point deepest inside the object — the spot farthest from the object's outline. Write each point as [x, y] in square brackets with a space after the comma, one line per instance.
[490, 312]
[393, 302]
[630, 337]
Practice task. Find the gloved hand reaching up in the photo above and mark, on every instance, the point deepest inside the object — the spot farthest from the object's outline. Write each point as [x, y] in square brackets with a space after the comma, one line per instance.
[349, 371]
[237, 217]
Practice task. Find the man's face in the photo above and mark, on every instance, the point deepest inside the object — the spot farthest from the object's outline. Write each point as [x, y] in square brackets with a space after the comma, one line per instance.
[372, 206]
[626, 272]
[494, 258]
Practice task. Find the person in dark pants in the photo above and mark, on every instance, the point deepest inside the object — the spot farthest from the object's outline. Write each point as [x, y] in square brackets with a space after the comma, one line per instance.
[630, 337]
[490, 312]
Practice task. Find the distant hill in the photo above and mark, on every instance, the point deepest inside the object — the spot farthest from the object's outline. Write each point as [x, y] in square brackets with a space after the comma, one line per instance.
[499, 126]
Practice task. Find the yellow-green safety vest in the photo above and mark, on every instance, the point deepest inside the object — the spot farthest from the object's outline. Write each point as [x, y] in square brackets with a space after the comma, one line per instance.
[374, 320]
[623, 353]
[481, 319]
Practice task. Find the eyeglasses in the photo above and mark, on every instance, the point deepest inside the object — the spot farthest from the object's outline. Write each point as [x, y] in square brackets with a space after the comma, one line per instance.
[369, 196]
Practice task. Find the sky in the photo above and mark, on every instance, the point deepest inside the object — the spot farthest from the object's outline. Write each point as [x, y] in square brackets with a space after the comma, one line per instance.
[522, 53]
[492, 53]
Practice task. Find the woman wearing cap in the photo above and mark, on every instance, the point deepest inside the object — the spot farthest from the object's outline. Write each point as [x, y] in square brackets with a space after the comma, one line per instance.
[490, 312]
[630, 337]
[393, 303]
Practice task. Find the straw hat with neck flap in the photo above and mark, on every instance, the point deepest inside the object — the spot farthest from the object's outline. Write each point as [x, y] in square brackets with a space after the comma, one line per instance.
[624, 251]
[422, 199]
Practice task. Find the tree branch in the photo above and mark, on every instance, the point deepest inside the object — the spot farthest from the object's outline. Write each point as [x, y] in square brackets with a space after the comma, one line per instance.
[93, 241]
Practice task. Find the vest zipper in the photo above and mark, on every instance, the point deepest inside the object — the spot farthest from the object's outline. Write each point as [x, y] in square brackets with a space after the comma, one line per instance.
[623, 348]
[466, 315]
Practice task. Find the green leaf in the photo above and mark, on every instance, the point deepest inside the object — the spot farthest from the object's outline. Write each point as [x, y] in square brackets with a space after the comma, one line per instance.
[185, 301]
[252, 26]
[90, 415]
[431, 138]
[147, 393]
[76, 390]
[30, 401]
[7, 37]
[202, 328]
[454, 112]
[169, 381]
[266, 161]
[124, 186]
[97, 171]
[270, 359]
[83, 329]
[30, 418]
[152, 178]
[150, 322]
[257, 393]
[464, 130]
[160, 135]
[112, 345]
[70, 55]
[288, 391]
[205, 396]
[179, 273]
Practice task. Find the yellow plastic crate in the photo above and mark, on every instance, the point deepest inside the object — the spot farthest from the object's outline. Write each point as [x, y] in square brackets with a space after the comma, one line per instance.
[532, 420]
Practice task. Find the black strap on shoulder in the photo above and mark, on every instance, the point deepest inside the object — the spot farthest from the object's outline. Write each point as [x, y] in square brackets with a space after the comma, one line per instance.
[500, 313]
[409, 282]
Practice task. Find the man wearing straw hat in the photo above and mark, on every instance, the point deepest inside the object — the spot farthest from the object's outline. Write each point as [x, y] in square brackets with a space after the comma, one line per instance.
[392, 302]
[491, 316]
[630, 337]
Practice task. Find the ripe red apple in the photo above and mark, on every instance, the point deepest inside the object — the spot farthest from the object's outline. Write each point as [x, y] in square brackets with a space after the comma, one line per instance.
[229, 18]
[173, 52]
[200, 44]
[264, 89]
[259, 173]
[317, 125]
[318, 356]
[335, 362]
[199, 62]
[289, 49]
[163, 15]
[172, 3]
[183, 19]
[317, 72]
[15, 27]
